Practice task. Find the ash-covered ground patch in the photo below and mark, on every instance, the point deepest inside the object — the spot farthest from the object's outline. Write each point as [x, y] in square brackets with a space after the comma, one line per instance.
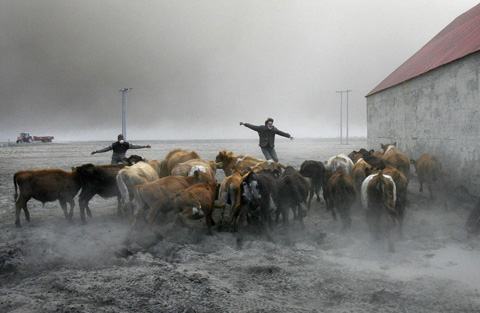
[51, 265]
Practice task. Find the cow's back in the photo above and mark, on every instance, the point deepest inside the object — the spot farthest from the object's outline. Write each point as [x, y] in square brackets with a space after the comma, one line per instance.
[175, 157]
[395, 158]
[185, 168]
[47, 185]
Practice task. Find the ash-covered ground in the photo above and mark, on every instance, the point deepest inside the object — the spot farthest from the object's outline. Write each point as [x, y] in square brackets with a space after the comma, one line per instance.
[51, 265]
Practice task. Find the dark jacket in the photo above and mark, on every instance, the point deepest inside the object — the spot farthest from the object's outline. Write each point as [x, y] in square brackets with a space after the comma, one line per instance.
[119, 150]
[266, 136]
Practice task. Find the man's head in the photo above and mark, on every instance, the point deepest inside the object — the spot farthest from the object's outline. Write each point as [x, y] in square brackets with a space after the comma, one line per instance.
[269, 122]
[120, 138]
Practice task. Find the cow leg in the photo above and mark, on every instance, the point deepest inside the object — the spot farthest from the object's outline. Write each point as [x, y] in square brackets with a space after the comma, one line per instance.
[400, 210]
[430, 191]
[310, 195]
[421, 186]
[119, 206]
[277, 215]
[285, 215]
[391, 225]
[234, 216]
[72, 205]
[334, 214]
[63, 204]
[27, 213]
[210, 222]
[20, 204]
[265, 212]
[317, 190]
[345, 217]
[391, 246]
[301, 213]
[83, 199]
[89, 213]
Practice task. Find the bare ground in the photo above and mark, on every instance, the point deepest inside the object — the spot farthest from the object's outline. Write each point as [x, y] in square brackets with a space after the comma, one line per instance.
[51, 265]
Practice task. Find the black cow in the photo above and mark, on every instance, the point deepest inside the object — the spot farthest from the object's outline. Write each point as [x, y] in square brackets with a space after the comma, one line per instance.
[314, 170]
[292, 193]
[257, 191]
[100, 180]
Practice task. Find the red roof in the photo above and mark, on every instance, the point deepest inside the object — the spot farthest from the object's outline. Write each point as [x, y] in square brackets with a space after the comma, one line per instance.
[459, 39]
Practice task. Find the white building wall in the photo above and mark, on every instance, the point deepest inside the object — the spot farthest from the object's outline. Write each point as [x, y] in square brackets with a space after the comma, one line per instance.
[437, 113]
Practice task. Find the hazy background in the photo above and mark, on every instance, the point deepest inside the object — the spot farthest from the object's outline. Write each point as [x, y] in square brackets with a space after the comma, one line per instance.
[200, 67]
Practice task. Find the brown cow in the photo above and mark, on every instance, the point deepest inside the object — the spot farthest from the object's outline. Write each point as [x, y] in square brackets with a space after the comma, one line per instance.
[45, 186]
[401, 184]
[361, 169]
[379, 198]
[230, 162]
[428, 170]
[189, 167]
[131, 176]
[155, 196]
[197, 201]
[339, 194]
[395, 158]
[230, 193]
[356, 155]
[315, 170]
[173, 158]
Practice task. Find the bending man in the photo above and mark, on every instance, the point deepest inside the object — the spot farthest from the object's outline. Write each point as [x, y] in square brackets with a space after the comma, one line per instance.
[266, 135]
[119, 148]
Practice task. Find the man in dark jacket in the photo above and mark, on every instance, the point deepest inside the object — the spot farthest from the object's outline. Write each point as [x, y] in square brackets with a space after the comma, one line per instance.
[266, 135]
[119, 148]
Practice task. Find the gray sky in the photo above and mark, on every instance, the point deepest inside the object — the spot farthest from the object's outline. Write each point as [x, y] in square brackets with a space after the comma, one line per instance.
[200, 67]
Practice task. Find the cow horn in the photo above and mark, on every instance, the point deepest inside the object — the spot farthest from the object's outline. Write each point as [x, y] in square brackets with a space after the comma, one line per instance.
[219, 164]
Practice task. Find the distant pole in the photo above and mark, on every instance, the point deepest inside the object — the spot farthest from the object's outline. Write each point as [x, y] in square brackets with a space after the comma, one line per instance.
[341, 115]
[124, 92]
[347, 92]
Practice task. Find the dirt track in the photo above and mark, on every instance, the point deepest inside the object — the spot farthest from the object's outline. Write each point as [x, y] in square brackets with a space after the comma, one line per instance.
[51, 265]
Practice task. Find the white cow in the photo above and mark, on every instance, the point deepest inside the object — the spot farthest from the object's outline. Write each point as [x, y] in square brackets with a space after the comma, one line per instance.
[339, 161]
[131, 176]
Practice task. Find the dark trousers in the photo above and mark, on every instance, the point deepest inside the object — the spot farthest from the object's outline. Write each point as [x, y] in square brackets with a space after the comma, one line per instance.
[118, 159]
[269, 153]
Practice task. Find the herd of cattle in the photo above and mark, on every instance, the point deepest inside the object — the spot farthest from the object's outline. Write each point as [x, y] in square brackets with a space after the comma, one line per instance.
[255, 191]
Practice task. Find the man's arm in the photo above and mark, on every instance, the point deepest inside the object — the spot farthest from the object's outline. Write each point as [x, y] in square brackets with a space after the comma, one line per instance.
[283, 134]
[130, 146]
[252, 127]
[103, 150]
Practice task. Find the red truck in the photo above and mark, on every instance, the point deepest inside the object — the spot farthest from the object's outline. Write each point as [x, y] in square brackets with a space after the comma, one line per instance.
[26, 138]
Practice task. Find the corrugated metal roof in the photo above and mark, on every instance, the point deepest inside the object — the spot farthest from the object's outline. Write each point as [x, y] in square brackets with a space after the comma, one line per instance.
[459, 39]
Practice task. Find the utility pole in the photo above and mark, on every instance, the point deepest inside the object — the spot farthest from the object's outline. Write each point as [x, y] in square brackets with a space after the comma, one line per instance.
[341, 115]
[124, 92]
[347, 92]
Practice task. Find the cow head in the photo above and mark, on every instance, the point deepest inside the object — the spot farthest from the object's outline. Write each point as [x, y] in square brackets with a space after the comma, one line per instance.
[133, 159]
[224, 156]
[385, 146]
[225, 160]
[251, 188]
[188, 206]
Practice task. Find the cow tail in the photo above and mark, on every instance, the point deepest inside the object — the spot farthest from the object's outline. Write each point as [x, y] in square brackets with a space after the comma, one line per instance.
[15, 197]
[122, 187]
